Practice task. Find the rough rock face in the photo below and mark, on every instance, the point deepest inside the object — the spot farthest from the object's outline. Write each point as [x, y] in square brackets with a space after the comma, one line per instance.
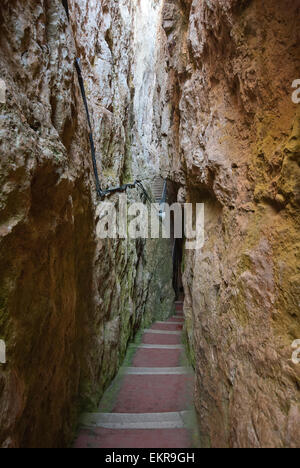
[235, 145]
[112, 40]
[198, 89]
[69, 303]
[119, 43]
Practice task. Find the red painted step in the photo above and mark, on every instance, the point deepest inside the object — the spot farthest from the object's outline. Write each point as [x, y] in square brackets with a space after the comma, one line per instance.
[167, 326]
[154, 394]
[145, 438]
[157, 358]
[162, 339]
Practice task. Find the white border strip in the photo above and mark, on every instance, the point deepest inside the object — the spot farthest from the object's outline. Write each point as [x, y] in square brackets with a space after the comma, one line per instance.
[136, 421]
[163, 332]
[157, 370]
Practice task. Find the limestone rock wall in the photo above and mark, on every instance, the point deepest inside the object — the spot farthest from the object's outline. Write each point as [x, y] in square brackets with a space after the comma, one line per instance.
[118, 44]
[198, 90]
[69, 303]
[234, 144]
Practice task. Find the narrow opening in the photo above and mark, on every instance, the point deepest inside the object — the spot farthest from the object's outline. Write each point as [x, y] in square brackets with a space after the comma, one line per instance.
[178, 244]
[177, 269]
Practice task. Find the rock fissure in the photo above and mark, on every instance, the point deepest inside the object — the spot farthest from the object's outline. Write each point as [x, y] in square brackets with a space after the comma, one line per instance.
[200, 93]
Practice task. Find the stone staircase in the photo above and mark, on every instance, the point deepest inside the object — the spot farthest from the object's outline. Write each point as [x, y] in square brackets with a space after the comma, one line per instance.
[158, 188]
[150, 403]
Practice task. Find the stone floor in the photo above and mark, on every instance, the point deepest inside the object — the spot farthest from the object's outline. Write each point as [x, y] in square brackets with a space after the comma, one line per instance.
[150, 404]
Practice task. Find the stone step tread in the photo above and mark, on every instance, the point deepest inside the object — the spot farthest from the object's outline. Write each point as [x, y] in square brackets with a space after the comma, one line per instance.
[181, 322]
[176, 420]
[154, 393]
[157, 357]
[157, 370]
[161, 339]
[146, 346]
[99, 437]
[163, 332]
[168, 323]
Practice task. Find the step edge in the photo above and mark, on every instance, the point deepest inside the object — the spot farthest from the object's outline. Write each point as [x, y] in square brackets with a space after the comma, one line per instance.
[163, 332]
[157, 370]
[173, 420]
[167, 323]
[149, 346]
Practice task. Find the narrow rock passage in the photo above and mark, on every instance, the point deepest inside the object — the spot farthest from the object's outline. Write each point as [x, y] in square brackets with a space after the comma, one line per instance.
[151, 402]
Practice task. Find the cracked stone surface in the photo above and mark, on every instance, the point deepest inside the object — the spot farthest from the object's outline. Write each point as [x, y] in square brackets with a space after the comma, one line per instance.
[70, 303]
[235, 147]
